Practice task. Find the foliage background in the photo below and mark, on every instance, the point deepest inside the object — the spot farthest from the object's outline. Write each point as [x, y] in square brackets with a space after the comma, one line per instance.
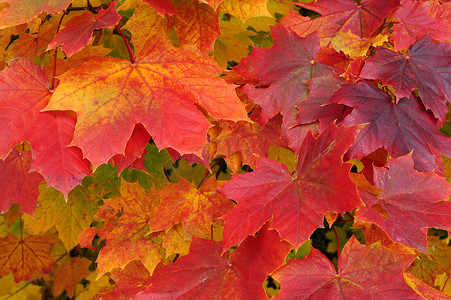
[91, 212]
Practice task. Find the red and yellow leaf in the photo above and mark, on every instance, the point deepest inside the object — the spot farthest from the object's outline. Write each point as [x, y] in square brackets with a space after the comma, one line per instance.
[110, 96]
[27, 256]
[126, 229]
[196, 209]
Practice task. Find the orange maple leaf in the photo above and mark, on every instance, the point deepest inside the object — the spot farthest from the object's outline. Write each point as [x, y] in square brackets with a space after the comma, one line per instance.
[26, 256]
[126, 230]
[196, 209]
[159, 90]
[68, 275]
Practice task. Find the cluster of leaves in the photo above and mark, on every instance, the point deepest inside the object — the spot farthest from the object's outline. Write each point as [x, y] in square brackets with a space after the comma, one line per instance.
[197, 149]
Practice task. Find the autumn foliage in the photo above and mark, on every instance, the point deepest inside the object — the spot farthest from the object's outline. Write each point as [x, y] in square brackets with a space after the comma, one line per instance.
[222, 149]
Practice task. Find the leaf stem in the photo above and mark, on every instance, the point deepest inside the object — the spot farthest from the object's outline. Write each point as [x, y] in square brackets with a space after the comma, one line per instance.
[203, 179]
[349, 215]
[18, 290]
[52, 87]
[443, 288]
[206, 173]
[130, 52]
[338, 245]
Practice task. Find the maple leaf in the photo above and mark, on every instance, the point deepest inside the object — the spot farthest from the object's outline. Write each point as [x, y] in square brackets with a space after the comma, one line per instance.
[33, 44]
[198, 26]
[409, 204]
[78, 31]
[125, 228]
[426, 67]
[296, 203]
[20, 103]
[22, 11]
[399, 127]
[24, 92]
[362, 19]
[285, 68]
[26, 256]
[414, 23]
[378, 275]
[205, 272]
[129, 281]
[245, 140]
[17, 183]
[67, 275]
[142, 23]
[195, 209]
[159, 91]
[436, 262]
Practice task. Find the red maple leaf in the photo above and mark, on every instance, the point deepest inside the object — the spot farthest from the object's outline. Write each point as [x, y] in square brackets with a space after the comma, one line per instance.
[362, 19]
[296, 203]
[415, 22]
[409, 204]
[426, 67]
[399, 127]
[112, 95]
[283, 71]
[206, 272]
[364, 272]
[17, 183]
[23, 93]
[78, 31]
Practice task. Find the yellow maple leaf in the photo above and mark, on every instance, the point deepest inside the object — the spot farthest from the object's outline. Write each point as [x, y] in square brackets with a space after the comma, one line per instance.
[353, 45]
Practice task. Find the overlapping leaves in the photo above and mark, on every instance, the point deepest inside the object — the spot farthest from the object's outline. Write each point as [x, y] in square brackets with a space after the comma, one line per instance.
[163, 228]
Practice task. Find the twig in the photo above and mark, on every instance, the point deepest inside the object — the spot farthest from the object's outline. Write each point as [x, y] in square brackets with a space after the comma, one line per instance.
[130, 52]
